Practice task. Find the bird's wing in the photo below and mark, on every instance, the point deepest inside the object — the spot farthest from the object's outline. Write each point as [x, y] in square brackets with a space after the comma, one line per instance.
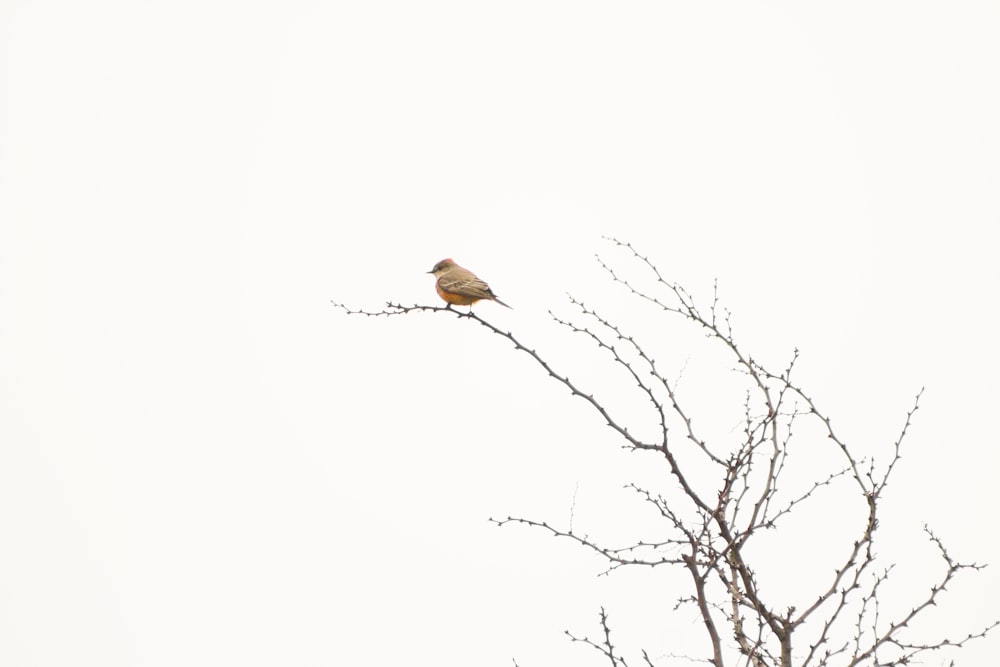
[465, 283]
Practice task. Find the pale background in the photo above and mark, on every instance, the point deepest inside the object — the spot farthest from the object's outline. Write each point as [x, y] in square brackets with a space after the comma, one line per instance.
[202, 462]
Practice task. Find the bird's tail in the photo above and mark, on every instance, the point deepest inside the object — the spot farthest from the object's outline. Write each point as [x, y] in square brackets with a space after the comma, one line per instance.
[502, 303]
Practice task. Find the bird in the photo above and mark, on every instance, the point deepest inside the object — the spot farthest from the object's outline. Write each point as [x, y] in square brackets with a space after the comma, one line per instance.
[459, 286]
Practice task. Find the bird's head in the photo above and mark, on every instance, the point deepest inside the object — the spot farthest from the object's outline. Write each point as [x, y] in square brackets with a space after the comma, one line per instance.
[442, 266]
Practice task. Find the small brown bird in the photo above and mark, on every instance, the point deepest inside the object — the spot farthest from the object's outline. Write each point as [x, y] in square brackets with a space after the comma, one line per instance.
[460, 286]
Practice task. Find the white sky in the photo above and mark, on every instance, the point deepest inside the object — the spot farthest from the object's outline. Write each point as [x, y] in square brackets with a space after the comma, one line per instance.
[203, 463]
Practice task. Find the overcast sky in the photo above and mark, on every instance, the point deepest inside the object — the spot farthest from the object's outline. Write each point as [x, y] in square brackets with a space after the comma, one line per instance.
[202, 462]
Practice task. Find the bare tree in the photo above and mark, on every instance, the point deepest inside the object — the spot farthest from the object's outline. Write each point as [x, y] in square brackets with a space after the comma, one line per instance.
[728, 496]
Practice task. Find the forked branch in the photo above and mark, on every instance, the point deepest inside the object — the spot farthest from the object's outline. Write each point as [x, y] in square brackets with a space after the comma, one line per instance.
[709, 531]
